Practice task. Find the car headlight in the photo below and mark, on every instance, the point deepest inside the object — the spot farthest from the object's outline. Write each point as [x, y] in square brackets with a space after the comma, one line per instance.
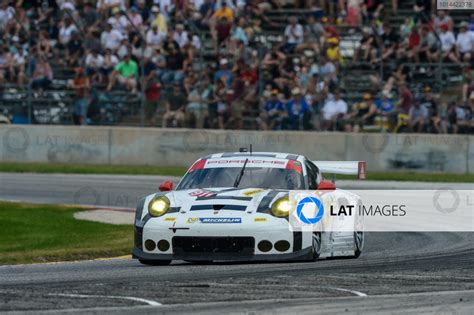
[281, 207]
[158, 206]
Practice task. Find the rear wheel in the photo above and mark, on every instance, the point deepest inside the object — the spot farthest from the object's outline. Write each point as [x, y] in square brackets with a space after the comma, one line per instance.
[317, 245]
[358, 243]
[155, 262]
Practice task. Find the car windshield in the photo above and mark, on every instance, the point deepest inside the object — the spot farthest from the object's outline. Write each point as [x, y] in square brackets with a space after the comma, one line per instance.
[253, 177]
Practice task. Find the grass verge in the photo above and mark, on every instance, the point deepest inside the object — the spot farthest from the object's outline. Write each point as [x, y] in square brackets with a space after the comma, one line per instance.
[13, 167]
[45, 233]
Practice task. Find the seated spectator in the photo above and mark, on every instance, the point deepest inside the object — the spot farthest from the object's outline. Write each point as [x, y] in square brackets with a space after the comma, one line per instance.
[418, 116]
[65, 31]
[274, 112]
[372, 9]
[367, 50]
[118, 21]
[314, 35]
[224, 12]
[239, 34]
[464, 43]
[390, 40]
[333, 113]
[126, 72]
[159, 20]
[197, 109]
[110, 61]
[43, 46]
[442, 18]
[42, 74]
[7, 14]
[447, 44]
[74, 50]
[18, 64]
[5, 64]
[298, 111]
[224, 74]
[429, 46]
[174, 105]
[94, 61]
[422, 10]
[362, 114]
[110, 38]
[221, 32]
[154, 38]
[180, 36]
[293, 35]
[174, 72]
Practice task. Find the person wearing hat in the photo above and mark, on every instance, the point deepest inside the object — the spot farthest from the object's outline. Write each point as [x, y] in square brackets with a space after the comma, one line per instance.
[110, 38]
[464, 43]
[159, 20]
[298, 111]
[362, 114]
[447, 43]
[274, 112]
[224, 73]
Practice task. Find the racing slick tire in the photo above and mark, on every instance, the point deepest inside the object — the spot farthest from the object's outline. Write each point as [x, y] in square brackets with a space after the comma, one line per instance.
[155, 262]
[317, 245]
[358, 243]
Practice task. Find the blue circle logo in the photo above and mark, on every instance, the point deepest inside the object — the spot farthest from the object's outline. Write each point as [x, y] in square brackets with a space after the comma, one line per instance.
[317, 203]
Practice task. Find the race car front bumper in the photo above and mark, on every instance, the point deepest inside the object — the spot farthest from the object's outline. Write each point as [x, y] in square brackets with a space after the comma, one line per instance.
[302, 255]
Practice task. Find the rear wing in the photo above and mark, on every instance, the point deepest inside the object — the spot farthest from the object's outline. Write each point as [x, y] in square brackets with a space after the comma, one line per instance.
[343, 167]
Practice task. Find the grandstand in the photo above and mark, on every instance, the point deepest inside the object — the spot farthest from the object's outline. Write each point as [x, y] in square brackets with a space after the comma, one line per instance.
[259, 101]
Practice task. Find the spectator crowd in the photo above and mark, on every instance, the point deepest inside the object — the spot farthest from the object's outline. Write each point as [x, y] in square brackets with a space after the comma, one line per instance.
[212, 63]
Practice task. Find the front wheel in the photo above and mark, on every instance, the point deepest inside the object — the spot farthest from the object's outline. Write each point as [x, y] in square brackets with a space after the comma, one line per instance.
[317, 245]
[155, 262]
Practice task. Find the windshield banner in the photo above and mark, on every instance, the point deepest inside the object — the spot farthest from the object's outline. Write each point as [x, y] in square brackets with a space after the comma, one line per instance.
[444, 210]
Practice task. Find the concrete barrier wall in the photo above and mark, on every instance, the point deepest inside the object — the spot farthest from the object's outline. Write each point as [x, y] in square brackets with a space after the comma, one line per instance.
[180, 147]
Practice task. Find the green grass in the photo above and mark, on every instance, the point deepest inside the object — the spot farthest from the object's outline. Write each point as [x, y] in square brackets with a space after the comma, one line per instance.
[179, 171]
[44, 233]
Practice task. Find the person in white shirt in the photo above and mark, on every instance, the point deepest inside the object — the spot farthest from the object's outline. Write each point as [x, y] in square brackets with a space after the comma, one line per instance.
[118, 21]
[180, 35]
[94, 61]
[333, 112]
[65, 31]
[110, 39]
[448, 42]
[464, 43]
[293, 35]
[6, 16]
[154, 37]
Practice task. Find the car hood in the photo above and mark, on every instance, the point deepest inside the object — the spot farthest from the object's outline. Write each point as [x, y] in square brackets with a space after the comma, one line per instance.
[246, 200]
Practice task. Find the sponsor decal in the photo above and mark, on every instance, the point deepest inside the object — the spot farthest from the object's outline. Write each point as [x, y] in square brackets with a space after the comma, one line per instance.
[220, 220]
[201, 193]
[253, 192]
[170, 219]
[260, 219]
[192, 220]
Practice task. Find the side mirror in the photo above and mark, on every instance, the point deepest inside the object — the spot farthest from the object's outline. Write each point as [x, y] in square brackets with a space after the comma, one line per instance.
[326, 185]
[166, 186]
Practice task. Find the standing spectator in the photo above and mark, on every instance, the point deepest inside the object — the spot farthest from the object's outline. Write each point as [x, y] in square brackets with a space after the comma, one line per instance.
[126, 73]
[293, 35]
[298, 111]
[42, 74]
[418, 116]
[81, 85]
[464, 43]
[333, 112]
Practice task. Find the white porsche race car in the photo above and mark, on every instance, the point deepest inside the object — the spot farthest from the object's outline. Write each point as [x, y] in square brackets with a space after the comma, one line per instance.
[235, 207]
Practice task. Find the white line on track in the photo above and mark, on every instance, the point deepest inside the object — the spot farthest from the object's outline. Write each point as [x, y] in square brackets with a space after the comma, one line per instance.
[358, 293]
[85, 296]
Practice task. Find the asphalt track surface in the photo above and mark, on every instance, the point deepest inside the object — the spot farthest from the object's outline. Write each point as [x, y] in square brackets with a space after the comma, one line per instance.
[420, 273]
